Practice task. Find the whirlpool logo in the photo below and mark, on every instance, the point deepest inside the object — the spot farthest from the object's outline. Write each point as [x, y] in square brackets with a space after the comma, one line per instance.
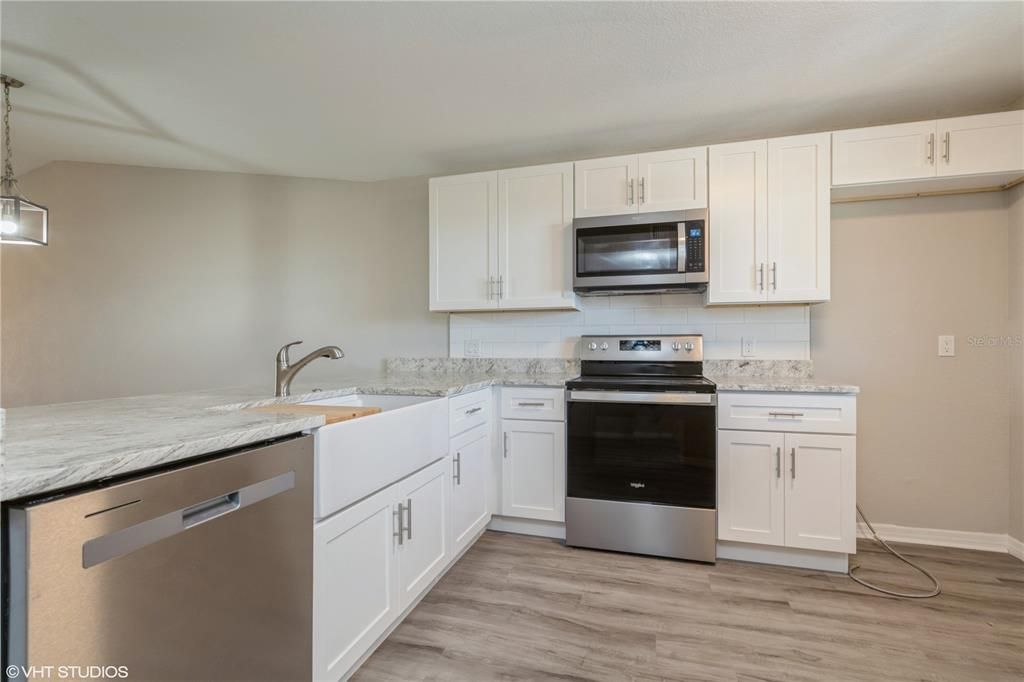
[637, 484]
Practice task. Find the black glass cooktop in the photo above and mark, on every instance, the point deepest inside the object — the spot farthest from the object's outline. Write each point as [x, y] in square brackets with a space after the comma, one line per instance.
[642, 383]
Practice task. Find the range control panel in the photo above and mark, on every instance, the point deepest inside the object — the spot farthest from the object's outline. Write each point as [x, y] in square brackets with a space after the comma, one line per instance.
[695, 246]
[683, 348]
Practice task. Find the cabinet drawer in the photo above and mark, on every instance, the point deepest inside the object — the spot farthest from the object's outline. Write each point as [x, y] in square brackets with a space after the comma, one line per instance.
[796, 412]
[547, 404]
[468, 411]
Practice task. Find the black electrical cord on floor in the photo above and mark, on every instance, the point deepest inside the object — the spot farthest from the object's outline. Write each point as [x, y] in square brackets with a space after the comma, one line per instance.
[906, 595]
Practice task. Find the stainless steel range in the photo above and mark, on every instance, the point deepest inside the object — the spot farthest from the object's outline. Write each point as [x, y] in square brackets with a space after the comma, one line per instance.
[641, 448]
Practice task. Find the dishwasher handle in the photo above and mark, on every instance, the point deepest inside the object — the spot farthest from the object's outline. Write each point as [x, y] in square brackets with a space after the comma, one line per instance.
[210, 509]
[132, 538]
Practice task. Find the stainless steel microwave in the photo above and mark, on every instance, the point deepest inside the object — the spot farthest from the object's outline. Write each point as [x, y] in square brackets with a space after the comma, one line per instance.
[638, 253]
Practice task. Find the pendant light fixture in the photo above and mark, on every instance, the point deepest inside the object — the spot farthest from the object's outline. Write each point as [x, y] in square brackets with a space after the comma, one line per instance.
[21, 221]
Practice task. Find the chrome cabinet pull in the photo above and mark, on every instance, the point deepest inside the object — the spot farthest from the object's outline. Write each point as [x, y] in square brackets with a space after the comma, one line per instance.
[641, 189]
[505, 446]
[945, 147]
[785, 414]
[775, 276]
[408, 517]
[778, 462]
[760, 277]
[501, 286]
[931, 148]
[522, 404]
[792, 454]
[490, 288]
[473, 410]
[457, 475]
[401, 526]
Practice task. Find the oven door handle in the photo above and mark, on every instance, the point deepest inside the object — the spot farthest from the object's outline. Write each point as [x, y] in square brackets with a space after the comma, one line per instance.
[651, 398]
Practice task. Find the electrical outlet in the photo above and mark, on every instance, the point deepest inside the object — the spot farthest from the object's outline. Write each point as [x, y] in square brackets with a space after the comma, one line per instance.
[471, 348]
[947, 346]
[748, 347]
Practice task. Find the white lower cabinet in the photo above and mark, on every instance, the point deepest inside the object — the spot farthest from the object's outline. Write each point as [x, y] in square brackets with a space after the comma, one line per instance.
[354, 583]
[373, 560]
[794, 490]
[533, 469]
[471, 474]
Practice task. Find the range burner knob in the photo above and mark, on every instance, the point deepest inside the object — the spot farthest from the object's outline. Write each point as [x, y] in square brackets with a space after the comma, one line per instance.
[604, 346]
[688, 346]
[592, 346]
[676, 346]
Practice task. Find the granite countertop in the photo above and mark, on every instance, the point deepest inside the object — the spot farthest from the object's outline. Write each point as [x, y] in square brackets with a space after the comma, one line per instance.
[47, 448]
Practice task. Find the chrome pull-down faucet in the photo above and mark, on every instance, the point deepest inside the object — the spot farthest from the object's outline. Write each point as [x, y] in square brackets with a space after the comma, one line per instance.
[286, 371]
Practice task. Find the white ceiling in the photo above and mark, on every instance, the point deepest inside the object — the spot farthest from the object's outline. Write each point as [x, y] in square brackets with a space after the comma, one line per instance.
[365, 91]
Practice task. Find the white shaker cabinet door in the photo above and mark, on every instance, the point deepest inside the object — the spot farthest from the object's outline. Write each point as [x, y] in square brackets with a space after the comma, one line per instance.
[533, 469]
[673, 180]
[463, 242]
[799, 219]
[987, 143]
[737, 213]
[906, 151]
[355, 586]
[821, 492]
[751, 487]
[535, 212]
[471, 481]
[424, 548]
[606, 186]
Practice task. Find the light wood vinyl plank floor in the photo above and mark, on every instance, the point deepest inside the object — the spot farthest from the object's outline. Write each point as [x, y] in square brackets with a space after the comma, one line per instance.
[524, 608]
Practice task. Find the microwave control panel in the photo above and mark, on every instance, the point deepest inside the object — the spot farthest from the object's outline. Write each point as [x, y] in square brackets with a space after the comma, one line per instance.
[695, 235]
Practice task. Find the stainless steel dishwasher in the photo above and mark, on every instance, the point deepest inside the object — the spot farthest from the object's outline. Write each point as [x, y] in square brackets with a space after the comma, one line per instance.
[203, 572]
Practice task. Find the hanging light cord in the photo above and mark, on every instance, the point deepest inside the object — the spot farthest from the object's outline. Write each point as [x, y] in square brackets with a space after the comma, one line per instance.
[7, 180]
[936, 590]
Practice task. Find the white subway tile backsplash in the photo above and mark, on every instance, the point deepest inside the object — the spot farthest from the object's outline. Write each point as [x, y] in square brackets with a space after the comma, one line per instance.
[779, 332]
[611, 316]
[659, 315]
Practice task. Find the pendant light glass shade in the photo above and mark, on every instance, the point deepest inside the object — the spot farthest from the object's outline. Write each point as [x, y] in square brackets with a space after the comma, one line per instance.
[21, 221]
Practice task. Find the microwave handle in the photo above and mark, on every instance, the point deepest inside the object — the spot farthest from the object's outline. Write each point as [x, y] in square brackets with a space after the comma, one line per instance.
[681, 257]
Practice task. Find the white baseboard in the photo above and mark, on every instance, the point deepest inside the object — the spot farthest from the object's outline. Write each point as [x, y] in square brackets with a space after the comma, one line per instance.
[986, 542]
[544, 529]
[1015, 547]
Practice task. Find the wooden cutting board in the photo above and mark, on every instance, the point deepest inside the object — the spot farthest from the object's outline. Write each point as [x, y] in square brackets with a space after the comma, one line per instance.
[332, 413]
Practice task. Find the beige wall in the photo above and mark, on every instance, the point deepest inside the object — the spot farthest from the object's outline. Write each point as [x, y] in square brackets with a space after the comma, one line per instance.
[163, 280]
[1015, 201]
[933, 433]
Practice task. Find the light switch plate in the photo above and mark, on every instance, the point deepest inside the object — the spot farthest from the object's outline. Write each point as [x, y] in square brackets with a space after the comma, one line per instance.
[748, 347]
[947, 346]
[471, 348]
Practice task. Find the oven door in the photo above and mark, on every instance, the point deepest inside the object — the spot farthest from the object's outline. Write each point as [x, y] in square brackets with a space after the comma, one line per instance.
[656, 448]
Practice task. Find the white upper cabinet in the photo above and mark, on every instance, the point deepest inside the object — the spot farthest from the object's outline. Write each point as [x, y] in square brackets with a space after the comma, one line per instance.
[883, 153]
[738, 217]
[501, 240]
[606, 186]
[769, 214]
[535, 215]
[799, 219]
[673, 180]
[464, 241]
[988, 143]
[916, 153]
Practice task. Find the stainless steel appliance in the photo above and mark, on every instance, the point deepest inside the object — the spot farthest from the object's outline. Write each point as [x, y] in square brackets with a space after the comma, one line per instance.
[641, 448]
[198, 572]
[638, 253]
